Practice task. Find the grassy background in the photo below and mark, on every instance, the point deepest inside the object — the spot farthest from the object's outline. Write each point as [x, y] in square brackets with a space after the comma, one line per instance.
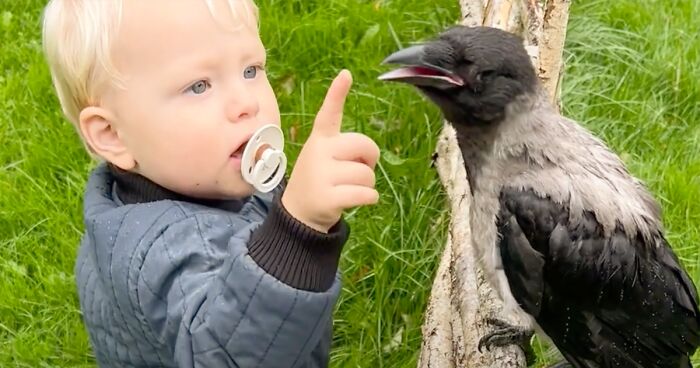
[632, 77]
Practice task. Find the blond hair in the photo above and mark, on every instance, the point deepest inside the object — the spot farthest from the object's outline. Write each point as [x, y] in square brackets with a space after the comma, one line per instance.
[77, 40]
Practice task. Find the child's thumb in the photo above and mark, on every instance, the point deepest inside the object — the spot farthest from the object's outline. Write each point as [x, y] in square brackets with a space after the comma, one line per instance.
[330, 115]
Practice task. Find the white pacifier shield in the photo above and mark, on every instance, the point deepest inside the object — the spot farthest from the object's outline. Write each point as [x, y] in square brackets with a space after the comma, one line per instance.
[265, 174]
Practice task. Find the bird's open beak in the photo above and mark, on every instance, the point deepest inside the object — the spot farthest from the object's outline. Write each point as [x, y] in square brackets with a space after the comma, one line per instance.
[417, 71]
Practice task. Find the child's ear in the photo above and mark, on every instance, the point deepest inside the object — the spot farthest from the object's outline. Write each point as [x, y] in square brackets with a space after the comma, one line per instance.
[96, 125]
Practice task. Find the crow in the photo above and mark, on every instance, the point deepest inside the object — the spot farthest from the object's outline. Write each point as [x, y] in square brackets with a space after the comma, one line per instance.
[569, 239]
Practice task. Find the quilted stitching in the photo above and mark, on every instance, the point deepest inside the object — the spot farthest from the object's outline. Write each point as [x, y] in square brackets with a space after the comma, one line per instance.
[103, 278]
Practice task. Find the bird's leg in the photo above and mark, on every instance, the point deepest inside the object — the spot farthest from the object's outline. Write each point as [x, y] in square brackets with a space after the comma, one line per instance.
[507, 334]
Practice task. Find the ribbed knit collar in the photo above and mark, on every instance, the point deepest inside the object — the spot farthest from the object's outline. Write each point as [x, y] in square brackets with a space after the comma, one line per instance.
[134, 188]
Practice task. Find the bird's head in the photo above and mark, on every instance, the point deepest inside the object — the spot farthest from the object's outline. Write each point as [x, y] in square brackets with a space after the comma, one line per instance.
[472, 73]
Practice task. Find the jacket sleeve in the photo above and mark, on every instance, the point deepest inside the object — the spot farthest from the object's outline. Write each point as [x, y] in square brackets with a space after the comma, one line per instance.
[261, 298]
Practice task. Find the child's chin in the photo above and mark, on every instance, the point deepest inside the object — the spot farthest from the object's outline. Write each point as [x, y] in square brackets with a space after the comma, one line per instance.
[242, 190]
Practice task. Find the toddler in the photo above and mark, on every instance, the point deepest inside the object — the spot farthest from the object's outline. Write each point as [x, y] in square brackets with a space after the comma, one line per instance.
[183, 263]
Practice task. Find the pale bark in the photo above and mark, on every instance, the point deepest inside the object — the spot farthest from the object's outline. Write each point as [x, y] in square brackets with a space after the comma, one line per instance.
[461, 298]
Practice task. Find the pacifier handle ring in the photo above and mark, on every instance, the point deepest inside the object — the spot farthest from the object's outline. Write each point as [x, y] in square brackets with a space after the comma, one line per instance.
[267, 184]
[270, 139]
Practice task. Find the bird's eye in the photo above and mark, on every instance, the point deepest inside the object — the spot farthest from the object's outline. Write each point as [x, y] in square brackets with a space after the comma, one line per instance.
[250, 72]
[199, 87]
[486, 74]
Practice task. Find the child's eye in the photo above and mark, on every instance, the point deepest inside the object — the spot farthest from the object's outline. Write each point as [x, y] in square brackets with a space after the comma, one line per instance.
[199, 87]
[250, 72]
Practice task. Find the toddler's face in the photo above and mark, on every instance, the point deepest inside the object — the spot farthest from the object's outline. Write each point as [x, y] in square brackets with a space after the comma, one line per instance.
[195, 91]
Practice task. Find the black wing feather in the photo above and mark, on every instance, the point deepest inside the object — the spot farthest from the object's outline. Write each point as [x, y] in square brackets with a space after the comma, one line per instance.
[605, 301]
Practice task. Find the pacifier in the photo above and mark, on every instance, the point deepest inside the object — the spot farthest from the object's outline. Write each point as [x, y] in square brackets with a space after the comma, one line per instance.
[263, 162]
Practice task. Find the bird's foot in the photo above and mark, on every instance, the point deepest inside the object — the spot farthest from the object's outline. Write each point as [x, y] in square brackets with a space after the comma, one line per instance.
[506, 334]
[562, 364]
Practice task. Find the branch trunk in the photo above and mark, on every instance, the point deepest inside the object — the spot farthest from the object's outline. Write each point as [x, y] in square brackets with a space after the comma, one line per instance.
[461, 298]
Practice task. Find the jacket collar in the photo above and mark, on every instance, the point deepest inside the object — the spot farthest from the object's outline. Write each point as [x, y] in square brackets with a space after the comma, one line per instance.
[132, 188]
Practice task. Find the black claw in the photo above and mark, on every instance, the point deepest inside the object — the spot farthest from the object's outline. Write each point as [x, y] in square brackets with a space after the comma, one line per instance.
[501, 324]
[504, 335]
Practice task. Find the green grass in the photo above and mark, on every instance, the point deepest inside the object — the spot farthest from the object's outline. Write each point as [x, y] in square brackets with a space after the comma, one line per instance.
[632, 77]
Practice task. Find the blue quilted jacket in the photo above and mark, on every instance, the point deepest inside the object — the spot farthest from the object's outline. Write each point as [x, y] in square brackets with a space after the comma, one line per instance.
[169, 281]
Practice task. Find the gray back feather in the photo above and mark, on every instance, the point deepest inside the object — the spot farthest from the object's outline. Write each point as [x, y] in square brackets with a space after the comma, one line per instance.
[537, 148]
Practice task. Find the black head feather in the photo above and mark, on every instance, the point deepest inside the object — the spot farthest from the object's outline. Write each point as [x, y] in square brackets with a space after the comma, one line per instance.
[472, 73]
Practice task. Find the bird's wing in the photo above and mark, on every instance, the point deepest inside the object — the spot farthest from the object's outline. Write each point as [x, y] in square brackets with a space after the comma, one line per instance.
[587, 290]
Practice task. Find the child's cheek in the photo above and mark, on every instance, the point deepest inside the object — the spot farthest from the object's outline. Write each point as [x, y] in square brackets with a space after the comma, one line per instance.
[267, 100]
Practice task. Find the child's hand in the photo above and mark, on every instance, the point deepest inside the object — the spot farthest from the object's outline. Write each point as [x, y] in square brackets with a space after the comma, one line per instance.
[334, 170]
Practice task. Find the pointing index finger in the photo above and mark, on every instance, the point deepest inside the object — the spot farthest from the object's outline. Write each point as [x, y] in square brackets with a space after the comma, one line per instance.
[330, 115]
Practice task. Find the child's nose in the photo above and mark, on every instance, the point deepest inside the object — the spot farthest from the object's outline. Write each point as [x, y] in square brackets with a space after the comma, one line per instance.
[242, 104]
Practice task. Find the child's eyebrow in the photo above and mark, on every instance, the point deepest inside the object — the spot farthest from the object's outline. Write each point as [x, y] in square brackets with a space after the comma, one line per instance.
[197, 62]
[255, 52]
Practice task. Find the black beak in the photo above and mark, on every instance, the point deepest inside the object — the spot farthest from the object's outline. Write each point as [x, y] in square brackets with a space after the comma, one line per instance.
[419, 72]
